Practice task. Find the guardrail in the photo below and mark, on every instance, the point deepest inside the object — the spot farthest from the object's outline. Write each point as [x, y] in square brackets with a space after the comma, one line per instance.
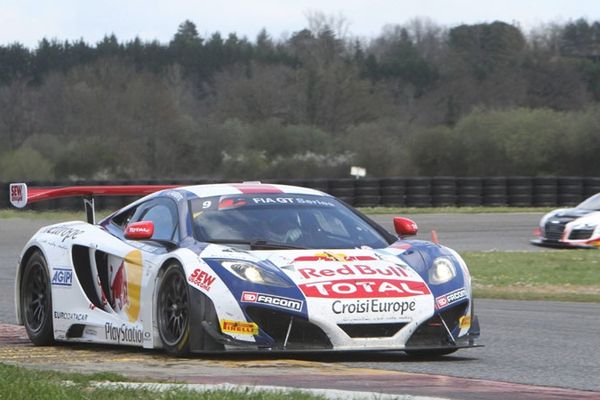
[437, 191]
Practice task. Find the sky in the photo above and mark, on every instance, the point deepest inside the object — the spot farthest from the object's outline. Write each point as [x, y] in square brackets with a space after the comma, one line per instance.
[28, 21]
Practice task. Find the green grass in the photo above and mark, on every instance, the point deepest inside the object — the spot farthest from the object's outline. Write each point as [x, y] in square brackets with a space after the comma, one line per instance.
[565, 275]
[20, 383]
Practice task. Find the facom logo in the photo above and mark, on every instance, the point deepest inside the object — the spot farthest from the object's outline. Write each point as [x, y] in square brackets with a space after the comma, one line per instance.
[62, 277]
[276, 301]
[449, 298]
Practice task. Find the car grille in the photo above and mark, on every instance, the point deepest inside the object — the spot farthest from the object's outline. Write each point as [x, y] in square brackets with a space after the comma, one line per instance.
[581, 234]
[554, 229]
[303, 335]
[371, 330]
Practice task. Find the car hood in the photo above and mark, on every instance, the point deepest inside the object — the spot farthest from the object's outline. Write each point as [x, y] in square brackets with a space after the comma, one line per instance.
[591, 218]
[571, 213]
[322, 264]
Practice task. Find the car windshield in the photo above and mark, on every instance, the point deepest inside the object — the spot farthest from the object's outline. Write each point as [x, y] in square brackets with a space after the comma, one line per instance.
[288, 220]
[593, 203]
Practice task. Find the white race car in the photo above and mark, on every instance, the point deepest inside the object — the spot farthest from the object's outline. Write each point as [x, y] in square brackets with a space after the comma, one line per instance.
[577, 227]
[239, 267]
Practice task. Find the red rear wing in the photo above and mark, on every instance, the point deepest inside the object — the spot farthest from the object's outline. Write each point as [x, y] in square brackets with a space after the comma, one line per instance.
[21, 195]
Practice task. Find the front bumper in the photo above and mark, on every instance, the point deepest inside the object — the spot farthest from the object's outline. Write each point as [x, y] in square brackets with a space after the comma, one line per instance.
[561, 244]
[287, 334]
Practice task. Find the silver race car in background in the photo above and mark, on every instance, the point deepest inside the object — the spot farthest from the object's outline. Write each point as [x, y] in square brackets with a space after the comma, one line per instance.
[239, 267]
[577, 227]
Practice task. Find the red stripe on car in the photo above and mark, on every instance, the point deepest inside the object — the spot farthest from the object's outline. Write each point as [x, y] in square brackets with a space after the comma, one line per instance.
[256, 188]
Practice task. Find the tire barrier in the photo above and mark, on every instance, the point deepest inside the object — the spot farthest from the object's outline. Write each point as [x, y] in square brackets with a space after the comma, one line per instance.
[443, 191]
[367, 192]
[418, 192]
[438, 191]
[519, 191]
[591, 186]
[469, 191]
[494, 191]
[342, 189]
[570, 190]
[545, 191]
[393, 192]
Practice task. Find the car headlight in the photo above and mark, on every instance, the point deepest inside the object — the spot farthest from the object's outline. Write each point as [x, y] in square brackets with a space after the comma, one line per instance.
[551, 214]
[253, 273]
[441, 271]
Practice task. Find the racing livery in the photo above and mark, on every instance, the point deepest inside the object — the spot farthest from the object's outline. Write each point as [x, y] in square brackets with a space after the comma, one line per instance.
[577, 227]
[239, 267]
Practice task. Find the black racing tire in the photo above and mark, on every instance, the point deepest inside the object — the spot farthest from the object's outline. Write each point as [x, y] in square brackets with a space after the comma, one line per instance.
[173, 311]
[36, 301]
[429, 353]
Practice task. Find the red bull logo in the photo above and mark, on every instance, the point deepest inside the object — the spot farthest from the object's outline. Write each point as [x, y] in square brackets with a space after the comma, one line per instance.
[126, 285]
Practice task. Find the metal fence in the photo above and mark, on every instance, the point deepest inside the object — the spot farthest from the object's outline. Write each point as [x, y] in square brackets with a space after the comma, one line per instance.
[437, 191]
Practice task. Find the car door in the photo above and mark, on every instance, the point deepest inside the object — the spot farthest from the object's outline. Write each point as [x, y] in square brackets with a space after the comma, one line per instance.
[121, 271]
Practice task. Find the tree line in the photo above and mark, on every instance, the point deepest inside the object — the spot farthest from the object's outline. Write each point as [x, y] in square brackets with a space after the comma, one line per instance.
[418, 99]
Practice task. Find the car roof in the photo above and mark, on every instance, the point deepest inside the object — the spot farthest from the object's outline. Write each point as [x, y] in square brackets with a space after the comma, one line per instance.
[247, 188]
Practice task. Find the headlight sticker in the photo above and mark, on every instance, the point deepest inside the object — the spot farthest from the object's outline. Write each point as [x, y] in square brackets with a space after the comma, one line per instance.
[450, 298]
[271, 300]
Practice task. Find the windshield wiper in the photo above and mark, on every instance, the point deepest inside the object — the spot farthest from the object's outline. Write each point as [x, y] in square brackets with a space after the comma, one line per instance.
[257, 244]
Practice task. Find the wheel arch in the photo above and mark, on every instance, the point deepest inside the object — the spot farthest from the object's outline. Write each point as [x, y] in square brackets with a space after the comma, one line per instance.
[157, 343]
[19, 278]
[198, 338]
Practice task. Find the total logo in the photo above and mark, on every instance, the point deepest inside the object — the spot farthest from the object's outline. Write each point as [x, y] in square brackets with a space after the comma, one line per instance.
[276, 301]
[364, 288]
[449, 298]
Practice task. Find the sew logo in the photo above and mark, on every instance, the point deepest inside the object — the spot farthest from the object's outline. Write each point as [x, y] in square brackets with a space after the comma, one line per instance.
[62, 277]
[202, 279]
[18, 194]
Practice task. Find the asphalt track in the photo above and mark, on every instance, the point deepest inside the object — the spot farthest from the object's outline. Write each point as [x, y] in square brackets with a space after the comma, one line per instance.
[533, 350]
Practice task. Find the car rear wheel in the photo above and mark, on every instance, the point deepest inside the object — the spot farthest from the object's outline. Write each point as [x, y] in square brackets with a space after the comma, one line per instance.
[173, 309]
[36, 301]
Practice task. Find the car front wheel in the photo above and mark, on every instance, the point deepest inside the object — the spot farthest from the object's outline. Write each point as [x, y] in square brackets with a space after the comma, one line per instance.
[36, 301]
[173, 309]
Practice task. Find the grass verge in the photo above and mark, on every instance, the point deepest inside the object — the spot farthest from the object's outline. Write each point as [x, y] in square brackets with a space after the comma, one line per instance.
[19, 383]
[561, 275]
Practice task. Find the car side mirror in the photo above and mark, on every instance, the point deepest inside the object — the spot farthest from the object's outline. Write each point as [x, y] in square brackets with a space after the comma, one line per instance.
[405, 226]
[142, 230]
